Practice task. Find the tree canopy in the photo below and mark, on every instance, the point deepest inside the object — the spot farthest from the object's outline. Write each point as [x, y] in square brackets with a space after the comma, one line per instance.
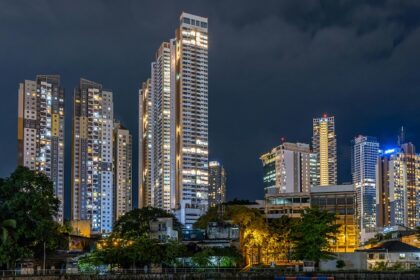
[27, 198]
[312, 235]
[136, 223]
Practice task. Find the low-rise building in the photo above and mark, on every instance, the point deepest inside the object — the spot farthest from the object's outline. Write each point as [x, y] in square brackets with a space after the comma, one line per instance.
[393, 254]
[289, 204]
[163, 229]
[341, 200]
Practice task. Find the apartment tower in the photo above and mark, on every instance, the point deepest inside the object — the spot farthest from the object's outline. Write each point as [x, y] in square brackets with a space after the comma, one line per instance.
[92, 178]
[41, 130]
[173, 124]
[122, 157]
[324, 145]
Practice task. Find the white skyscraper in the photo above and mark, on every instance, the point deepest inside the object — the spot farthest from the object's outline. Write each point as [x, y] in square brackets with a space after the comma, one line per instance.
[41, 130]
[92, 175]
[365, 153]
[176, 124]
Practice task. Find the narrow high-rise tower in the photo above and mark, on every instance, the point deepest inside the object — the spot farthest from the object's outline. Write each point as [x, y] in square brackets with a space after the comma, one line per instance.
[325, 146]
[41, 130]
[122, 158]
[191, 94]
[92, 175]
[173, 125]
[364, 155]
[146, 148]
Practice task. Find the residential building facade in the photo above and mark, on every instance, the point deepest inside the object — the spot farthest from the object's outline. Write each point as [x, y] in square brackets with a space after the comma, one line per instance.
[122, 168]
[146, 147]
[41, 131]
[324, 144]
[173, 145]
[92, 174]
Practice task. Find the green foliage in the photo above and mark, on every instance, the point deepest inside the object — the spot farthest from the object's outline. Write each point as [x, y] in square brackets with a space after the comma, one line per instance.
[27, 197]
[312, 235]
[281, 231]
[130, 245]
[340, 264]
[380, 266]
[217, 257]
[5, 227]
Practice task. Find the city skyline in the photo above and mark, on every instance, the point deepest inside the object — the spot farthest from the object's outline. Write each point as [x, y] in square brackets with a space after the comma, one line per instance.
[226, 128]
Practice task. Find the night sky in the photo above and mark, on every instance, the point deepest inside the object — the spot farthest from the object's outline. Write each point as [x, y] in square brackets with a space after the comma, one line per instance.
[273, 66]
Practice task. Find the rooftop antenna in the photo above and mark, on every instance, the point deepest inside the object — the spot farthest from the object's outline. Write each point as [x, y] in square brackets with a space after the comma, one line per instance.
[401, 137]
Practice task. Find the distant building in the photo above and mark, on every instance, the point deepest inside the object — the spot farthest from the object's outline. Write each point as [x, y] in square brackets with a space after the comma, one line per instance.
[287, 168]
[339, 199]
[217, 183]
[92, 159]
[398, 187]
[324, 144]
[122, 156]
[41, 131]
[364, 155]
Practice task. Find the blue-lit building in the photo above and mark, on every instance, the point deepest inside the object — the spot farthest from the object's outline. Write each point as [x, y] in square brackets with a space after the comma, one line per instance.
[365, 152]
[398, 187]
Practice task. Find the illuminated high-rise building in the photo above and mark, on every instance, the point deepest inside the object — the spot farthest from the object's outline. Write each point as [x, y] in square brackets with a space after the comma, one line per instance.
[287, 169]
[41, 130]
[217, 183]
[146, 148]
[324, 145]
[164, 129]
[190, 57]
[365, 152]
[398, 187]
[173, 146]
[92, 174]
[122, 157]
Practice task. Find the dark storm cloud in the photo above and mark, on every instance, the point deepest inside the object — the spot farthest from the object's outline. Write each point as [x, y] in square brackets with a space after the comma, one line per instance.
[273, 66]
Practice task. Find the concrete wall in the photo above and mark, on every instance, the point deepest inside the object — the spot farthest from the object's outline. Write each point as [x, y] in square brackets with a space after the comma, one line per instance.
[353, 261]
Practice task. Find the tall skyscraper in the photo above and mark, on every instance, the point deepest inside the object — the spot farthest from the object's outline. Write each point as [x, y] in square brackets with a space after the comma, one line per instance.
[191, 94]
[164, 129]
[92, 175]
[173, 146]
[325, 146]
[398, 187]
[122, 171]
[146, 148]
[364, 155]
[217, 183]
[41, 130]
[287, 168]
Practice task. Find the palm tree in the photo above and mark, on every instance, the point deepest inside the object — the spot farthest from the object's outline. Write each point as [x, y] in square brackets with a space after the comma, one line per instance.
[5, 227]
